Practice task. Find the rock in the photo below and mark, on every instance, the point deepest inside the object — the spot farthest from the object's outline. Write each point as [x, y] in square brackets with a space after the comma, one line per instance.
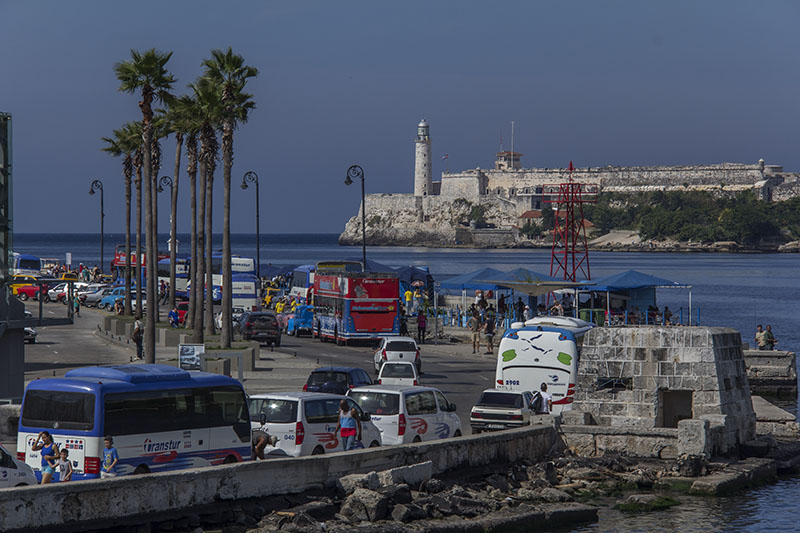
[408, 513]
[691, 466]
[546, 471]
[412, 474]
[397, 493]
[468, 507]
[320, 510]
[303, 522]
[642, 498]
[347, 484]
[365, 505]
[519, 472]
[499, 482]
[432, 486]
[552, 495]
[528, 494]
[444, 505]
[754, 448]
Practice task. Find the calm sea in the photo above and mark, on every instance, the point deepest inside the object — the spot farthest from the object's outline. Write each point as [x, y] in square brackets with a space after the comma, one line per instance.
[733, 290]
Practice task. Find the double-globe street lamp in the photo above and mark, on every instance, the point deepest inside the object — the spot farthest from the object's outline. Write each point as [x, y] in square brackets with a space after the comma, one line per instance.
[355, 172]
[97, 185]
[252, 177]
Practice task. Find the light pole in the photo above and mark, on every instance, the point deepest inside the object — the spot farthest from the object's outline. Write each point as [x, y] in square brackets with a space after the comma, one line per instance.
[252, 177]
[355, 172]
[97, 185]
[166, 181]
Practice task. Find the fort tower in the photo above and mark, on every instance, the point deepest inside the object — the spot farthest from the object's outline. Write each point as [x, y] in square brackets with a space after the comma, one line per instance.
[423, 178]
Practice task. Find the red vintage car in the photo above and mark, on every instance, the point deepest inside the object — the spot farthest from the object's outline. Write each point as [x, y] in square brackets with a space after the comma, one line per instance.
[29, 291]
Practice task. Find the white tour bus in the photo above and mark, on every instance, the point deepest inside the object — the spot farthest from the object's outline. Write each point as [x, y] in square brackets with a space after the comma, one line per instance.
[531, 355]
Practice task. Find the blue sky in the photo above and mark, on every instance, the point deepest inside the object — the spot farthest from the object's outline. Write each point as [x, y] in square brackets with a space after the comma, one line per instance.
[613, 82]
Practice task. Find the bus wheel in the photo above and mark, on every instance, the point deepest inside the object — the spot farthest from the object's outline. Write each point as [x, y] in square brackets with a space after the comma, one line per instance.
[416, 439]
[141, 469]
[374, 444]
[229, 460]
[457, 433]
[318, 451]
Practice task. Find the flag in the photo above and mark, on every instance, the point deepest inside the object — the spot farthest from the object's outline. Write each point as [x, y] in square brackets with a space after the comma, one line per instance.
[445, 156]
[571, 168]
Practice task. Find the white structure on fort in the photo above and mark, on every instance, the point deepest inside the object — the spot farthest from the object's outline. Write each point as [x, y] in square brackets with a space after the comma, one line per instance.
[440, 212]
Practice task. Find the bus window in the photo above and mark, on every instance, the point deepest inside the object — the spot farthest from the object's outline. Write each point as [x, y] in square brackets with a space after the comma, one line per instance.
[59, 410]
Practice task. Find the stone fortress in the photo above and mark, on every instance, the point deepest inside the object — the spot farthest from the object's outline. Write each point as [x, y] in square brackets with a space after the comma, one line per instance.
[443, 212]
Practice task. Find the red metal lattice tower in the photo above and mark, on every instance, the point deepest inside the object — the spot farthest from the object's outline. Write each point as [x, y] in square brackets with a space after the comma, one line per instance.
[569, 256]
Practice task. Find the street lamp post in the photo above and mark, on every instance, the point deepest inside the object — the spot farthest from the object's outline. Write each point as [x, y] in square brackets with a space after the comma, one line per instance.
[355, 172]
[252, 177]
[97, 185]
[166, 181]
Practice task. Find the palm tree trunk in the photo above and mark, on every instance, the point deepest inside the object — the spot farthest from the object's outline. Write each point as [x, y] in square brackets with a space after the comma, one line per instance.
[209, 318]
[150, 322]
[191, 167]
[153, 261]
[173, 215]
[227, 277]
[139, 264]
[128, 244]
[199, 283]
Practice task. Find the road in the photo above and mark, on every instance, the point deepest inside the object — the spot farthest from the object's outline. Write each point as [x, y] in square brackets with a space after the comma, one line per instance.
[452, 368]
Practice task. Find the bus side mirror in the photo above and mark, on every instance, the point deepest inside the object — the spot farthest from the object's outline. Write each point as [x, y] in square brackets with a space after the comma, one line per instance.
[452, 408]
[366, 417]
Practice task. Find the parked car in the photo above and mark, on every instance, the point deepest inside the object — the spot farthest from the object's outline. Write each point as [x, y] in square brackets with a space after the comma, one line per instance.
[261, 326]
[92, 299]
[107, 301]
[183, 310]
[501, 409]
[397, 349]
[336, 379]
[29, 291]
[270, 294]
[398, 373]
[302, 321]
[304, 422]
[235, 316]
[30, 333]
[54, 291]
[13, 472]
[408, 414]
[19, 280]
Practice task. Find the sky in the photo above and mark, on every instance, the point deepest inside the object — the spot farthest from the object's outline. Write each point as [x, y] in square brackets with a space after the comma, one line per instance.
[346, 82]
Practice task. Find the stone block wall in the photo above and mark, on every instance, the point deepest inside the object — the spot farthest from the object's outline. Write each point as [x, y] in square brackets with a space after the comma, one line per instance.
[771, 373]
[706, 362]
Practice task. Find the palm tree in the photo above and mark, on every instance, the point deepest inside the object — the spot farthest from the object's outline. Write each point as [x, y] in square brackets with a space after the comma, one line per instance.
[146, 72]
[160, 130]
[120, 145]
[228, 71]
[133, 136]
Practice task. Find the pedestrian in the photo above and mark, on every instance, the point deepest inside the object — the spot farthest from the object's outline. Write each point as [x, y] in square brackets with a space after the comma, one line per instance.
[667, 316]
[488, 332]
[475, 326]
[520, 308]
[418, 300]
[769, 338]
[137, 335]
[64, 466]
[347, 424]
[76, 305]
[173, 317]
[761, 342]
[546, 405]
[407, 296]
[422, 323]
[48, 451]
[403, 323]
[526, 313]
[501, 306]
[556, 309]
[110, 458]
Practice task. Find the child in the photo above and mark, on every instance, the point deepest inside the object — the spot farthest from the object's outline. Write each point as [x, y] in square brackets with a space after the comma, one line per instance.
[110, 458]
[64, 466]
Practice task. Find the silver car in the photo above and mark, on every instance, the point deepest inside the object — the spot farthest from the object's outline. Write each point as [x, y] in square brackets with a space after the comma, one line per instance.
[93, 298]
[403, 349]
[501, 409]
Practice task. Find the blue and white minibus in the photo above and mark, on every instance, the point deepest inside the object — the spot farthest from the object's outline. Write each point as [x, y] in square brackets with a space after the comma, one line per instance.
[160, 417]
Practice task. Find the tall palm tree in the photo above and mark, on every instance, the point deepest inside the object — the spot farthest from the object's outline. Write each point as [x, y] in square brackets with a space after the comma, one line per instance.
[207, 101]
[120, 145]
[228, 71]
[146, 72]
[133, 135]
[160, 130]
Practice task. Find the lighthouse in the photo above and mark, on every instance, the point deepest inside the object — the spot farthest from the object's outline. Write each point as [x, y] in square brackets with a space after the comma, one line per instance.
[423, 179]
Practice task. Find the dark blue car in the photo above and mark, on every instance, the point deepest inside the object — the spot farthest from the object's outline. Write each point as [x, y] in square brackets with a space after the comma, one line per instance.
[336, 379]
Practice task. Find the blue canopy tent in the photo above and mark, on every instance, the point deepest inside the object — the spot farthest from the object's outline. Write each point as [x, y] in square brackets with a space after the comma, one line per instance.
[638, 287]
[472, 281]
[411, 276]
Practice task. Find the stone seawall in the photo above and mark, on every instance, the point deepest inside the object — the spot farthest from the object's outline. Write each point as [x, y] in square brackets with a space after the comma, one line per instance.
[141, 499]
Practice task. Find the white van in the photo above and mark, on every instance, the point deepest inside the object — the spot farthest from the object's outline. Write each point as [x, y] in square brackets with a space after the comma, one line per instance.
[303, 422]
[396, 373]
[13, 472]
[408, 414]
[531, 355]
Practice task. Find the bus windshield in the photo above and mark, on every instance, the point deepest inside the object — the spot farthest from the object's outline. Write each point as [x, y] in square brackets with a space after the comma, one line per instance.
[59, 410]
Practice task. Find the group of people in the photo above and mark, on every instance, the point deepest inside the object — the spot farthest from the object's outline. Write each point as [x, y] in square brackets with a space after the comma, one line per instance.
[415, 301]
[482, 325]
[765, 338]
[422, 324]
[89, 275]
[57, 460]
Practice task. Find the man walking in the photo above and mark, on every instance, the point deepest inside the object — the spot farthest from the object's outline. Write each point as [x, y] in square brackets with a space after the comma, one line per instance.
[475, 326]
[761, 342]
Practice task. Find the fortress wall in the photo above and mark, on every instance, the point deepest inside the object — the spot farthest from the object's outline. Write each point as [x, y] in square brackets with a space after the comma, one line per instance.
[467, 185]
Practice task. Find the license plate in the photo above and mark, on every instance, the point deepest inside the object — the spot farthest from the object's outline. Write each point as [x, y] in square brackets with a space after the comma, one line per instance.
[495, 426]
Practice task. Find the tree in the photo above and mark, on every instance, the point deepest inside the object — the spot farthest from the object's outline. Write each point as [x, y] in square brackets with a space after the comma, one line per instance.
[229, 72]
[133, 134]
[146, 72]
[121, 144]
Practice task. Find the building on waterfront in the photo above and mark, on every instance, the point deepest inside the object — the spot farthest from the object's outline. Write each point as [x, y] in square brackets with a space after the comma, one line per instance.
[479, 205]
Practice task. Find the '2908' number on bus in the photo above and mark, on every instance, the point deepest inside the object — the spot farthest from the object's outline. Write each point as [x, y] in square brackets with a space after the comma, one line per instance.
[512, 382]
